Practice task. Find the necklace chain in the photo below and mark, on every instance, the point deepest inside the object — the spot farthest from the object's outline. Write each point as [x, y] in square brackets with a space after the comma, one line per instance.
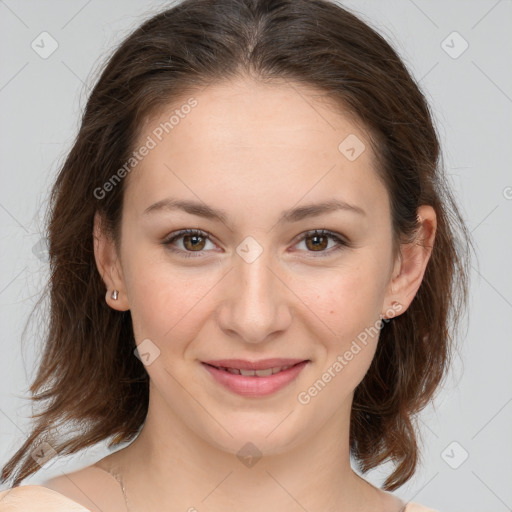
[119, 480]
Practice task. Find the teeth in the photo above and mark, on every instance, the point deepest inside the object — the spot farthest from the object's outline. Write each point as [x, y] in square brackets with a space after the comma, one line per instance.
[256, 373]
[263, 373]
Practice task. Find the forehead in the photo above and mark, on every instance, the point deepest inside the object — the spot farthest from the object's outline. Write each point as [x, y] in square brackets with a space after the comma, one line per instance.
[244, 112]
[257, 139]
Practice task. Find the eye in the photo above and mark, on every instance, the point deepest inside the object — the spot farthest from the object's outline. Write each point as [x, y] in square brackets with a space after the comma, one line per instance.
[193, 241]
[318, 241]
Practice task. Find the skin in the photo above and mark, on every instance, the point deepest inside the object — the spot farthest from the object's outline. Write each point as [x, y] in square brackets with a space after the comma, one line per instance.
[254, 150]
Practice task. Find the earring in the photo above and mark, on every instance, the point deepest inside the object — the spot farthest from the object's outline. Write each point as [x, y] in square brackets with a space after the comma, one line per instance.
[115, 294]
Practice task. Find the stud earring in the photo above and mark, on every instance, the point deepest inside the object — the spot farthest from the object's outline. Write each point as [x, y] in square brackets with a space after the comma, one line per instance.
[392, 311]
[115, 294]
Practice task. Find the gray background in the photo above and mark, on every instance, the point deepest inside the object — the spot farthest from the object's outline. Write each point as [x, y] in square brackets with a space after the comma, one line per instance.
[471, 94]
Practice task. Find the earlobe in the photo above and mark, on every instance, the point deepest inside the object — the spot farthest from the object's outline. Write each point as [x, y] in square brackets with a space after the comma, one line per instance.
[413, 260]
[109, 267]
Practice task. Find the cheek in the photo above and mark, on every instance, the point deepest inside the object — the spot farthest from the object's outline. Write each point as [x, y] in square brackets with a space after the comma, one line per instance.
[165, 302]
[349, 302]
[350, 307]
[348, 299]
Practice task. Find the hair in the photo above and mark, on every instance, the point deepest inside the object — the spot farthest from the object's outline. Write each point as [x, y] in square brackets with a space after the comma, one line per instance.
[88, 347]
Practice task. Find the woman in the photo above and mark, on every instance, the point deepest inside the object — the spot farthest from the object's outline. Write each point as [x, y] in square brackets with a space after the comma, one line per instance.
[253, 269]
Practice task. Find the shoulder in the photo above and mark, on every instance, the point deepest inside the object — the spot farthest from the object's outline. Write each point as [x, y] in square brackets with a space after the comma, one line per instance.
[93, 487]
[36, 498]
[416, 507]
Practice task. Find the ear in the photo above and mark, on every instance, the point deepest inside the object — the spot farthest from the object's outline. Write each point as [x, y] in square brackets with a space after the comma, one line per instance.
[411, 263]
[109, 265]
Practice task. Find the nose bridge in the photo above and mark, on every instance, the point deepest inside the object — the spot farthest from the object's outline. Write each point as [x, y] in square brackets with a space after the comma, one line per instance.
[256, 305]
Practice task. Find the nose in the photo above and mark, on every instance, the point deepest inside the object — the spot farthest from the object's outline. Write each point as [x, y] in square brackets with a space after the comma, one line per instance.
[256, 301]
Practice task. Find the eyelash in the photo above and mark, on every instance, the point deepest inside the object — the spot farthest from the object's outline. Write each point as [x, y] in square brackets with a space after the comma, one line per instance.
[204, 234]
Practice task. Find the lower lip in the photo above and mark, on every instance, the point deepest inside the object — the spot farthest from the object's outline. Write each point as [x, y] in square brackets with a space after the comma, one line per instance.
[255, 386]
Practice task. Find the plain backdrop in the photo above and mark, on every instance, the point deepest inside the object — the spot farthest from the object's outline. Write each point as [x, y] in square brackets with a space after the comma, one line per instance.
[459, 51]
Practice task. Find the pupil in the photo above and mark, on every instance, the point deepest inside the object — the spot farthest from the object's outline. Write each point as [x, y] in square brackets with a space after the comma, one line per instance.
[316, 244]
[195, 238]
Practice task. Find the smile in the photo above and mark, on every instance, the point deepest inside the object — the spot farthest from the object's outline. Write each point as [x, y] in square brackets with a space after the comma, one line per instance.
[255, 382]
[255, 373]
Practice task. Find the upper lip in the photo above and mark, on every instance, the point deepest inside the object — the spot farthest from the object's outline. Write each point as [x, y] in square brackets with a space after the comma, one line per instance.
[263, 364]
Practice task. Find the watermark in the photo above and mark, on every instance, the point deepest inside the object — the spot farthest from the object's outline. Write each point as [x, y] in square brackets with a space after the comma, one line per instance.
[249, 249]
[150, 143]
[146, 351]
[44, 454]
[454, 45]
[44, 45]
[454, 455]
[352, 147]
[304, 397]
[40, 250]
[507, 193]
[249, 455]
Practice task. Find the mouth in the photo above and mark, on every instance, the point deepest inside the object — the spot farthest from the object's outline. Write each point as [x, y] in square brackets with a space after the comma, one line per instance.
[266, 372]
[256, 378]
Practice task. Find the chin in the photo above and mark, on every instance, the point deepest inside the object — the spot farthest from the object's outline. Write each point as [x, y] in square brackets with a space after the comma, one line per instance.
[252, 436]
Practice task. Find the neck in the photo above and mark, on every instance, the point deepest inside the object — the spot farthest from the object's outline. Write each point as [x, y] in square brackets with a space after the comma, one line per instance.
[169, 464]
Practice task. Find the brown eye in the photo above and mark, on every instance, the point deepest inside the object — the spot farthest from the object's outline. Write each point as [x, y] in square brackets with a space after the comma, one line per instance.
[193, 242]
[318, 242]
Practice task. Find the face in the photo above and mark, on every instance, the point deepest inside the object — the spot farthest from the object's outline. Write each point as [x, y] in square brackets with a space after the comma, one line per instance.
[255, 282]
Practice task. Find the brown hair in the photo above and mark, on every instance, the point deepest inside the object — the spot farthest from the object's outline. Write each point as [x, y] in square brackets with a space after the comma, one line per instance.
[88, 372]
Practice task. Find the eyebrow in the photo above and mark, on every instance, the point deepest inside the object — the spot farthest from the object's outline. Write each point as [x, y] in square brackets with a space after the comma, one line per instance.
[292, 215]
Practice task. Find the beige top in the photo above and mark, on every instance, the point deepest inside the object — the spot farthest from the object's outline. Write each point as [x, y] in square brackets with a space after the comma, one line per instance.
[36, 498]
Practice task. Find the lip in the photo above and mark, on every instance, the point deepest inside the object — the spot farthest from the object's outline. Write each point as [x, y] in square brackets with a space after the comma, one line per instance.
[249, 386]
[244, 364]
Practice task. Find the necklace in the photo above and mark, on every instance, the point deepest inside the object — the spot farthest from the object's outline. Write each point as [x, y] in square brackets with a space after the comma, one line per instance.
[119, 480]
